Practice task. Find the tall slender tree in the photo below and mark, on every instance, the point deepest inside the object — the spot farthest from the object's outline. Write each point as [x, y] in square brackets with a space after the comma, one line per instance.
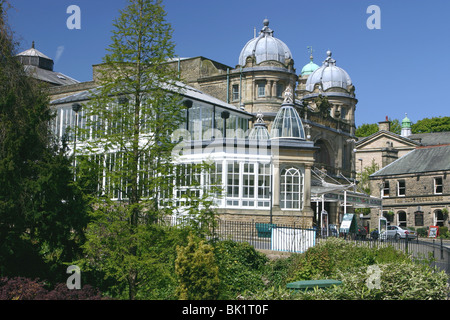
[129, 121]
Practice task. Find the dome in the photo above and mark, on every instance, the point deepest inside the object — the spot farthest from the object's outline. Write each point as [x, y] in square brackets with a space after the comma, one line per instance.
[265, 47]
[406, 123]
[259, 131]
[328, 76]
[309, 68]
[287, 123]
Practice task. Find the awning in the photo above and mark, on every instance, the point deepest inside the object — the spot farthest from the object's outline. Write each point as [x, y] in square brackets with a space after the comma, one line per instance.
[322, 190]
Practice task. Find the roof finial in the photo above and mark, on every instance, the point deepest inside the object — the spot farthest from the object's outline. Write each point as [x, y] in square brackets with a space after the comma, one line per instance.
[310, 48]
[32, 44]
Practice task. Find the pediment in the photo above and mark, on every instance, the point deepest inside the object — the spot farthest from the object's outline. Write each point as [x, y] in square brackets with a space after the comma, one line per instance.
[383, 139]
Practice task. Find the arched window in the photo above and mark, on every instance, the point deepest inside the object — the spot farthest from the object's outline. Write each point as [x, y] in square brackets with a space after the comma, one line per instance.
[291, 192]
[401, 218]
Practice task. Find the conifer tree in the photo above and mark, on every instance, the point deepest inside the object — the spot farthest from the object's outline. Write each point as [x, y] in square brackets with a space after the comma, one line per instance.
[129, 121]
[41, 211]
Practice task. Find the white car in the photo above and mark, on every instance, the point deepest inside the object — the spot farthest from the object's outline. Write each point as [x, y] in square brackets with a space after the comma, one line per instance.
[397, 232]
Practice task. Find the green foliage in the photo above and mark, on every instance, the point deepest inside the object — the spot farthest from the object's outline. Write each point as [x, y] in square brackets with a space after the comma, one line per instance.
[366, 130]
[42, 213]
[240, 268]
[436, 124]
[400, 277]
[316, 263]
[197, 271]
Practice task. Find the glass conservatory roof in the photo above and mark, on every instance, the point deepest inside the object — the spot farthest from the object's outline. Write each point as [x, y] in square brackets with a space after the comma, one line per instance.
[287, 123]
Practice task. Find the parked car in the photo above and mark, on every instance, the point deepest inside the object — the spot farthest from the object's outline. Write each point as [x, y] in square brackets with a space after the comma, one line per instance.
[361, 234]
[397, 232]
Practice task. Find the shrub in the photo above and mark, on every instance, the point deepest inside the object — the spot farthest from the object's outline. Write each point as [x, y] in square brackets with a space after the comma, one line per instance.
[240, 268]
[20, 288]
[197, 271]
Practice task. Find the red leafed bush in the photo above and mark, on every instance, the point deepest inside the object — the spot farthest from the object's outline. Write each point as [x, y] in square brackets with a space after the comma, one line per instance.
[26, 289]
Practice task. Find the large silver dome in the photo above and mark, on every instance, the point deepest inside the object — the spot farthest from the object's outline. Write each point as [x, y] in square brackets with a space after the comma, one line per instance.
[328, 76]
[265, 47]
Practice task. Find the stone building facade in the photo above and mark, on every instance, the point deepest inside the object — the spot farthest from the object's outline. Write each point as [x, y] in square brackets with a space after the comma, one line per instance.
[323, 97]
[415, 188]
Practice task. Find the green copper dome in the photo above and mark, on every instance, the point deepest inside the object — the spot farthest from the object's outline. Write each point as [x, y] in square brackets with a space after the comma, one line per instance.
[309, 68]
[406, 123]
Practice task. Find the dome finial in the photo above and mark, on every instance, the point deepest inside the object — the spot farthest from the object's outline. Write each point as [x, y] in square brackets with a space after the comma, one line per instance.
[266, 22]
[32, 44]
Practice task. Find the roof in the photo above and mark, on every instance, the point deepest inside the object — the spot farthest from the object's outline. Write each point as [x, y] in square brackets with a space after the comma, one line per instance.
[329, 76]
[406, 141]
[309, 68]
[431, 139]
[32, 52]
[52, 77]
[187, 91]
[420, 160]
[265, 47]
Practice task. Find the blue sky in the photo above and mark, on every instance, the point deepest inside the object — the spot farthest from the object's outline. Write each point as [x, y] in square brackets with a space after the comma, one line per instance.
[401, 68]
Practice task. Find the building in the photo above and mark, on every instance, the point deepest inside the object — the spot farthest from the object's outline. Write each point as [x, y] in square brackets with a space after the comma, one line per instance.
[415, 188]
[282, 143]
[40, 67]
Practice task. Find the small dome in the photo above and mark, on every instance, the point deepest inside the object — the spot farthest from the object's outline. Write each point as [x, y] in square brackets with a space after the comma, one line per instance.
[406, 123]
[259, 131]
[265, 47]
[328, 76]
[309, 68]
[287, 123]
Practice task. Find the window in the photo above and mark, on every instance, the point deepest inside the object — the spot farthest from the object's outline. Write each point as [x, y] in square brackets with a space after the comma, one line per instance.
[248, 184]
[401, 218]
[261, 89]
[264, 185]
[401, 188]
[291, 189]
[235, 92]
[438, 185]
[233, 180]
[386, 189]
[279, 90]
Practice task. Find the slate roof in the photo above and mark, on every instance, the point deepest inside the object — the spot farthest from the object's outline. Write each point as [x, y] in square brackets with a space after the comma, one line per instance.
[55, 78]
[431, 139]
[420, 160]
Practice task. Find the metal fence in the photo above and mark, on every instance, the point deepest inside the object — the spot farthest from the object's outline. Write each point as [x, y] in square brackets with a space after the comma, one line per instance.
[294, 238]
[435, 252]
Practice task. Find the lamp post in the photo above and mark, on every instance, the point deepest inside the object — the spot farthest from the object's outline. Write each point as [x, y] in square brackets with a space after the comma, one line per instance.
[76, 107]
[225, 115]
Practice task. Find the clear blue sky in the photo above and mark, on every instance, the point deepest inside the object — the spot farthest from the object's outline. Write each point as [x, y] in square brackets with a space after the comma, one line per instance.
[402, 67]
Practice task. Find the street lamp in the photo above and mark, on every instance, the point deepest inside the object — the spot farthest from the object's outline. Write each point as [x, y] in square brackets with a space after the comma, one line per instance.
[76, 107]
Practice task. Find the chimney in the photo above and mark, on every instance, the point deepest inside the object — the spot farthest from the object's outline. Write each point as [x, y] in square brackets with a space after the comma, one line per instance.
[384, 125]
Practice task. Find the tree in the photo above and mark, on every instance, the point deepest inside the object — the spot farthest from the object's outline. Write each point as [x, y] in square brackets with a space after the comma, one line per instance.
[130, 120]
[366, 129]
[436, 124]
[197, 271]
[41, 211]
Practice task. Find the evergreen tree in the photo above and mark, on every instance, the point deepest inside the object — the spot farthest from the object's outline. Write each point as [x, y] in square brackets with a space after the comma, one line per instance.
[130, 119]
[41, 211]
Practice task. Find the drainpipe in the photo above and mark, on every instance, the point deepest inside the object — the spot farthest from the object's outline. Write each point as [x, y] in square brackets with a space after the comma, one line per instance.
[228, 85]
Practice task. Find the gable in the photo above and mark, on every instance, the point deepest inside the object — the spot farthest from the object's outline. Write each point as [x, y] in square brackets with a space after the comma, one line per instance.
[383, 139]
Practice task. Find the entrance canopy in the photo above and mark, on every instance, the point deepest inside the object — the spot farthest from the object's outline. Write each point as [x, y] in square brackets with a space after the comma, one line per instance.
[322, 190]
